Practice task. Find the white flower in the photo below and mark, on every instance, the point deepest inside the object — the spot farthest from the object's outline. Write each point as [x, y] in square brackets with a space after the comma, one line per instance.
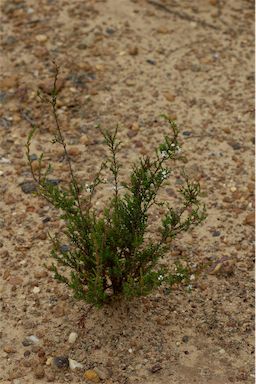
[164, 173]
[189, 287]
[164, 154]
[160, 277]
[88, 188]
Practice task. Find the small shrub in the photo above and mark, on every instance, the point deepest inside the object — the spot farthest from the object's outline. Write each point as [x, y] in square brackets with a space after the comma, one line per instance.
[108, 254]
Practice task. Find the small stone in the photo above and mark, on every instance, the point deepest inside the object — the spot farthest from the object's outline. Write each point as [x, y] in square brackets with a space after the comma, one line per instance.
[3, 160]
[102, 372]
[41, 38]
[250, 219]
[9, 349]
[72, 337]
[216, 233]
[60, 361]
[33, 157]
[39, 373]
[133, 51]
[74, 151]
[92, 376]
[187, 133]
[152, 62]
[73, 364]
[30, 340]
[40, 274]
[84, 139]
[236, 146]
[36, 290]
[155, 368]
[163, 30]
[28, 186]
[47, 86]
[185, 339]
[169, 96]
[131, 134]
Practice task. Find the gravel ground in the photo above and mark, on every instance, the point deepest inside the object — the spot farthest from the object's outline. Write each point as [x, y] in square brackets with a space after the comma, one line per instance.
[126, 62]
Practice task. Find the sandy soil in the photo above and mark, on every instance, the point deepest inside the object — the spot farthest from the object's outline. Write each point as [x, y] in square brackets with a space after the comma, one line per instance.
[127, 62]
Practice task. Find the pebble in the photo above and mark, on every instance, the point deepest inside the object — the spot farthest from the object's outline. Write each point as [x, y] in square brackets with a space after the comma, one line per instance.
[216, 233]
[36, 290]
[30, 340]
[92, 376]
[152, 62]
[187, 133]
[73, 364]
[28, 186]
[72, 337]
[133, 51]
[41, 38]
[47, 86]
[39, 373]
[169, 96]
[250, 219]
[155, 368]
[236, 146]
[9, 349]
[185, 339]
[60, 361]
[102, 372]
[3, 160]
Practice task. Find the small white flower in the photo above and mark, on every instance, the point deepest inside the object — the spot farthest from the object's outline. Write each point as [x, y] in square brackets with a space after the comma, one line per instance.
[164, 154]
[164, 173]
[160, 277]
[173, 144]
[88, 188]
[190, 287]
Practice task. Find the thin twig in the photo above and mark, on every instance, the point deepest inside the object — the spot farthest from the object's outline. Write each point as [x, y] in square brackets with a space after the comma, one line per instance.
[182, 15]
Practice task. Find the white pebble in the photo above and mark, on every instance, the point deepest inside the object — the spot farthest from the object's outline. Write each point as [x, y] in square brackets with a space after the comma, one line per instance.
[72, 337]
[36, 290]
[73, 364]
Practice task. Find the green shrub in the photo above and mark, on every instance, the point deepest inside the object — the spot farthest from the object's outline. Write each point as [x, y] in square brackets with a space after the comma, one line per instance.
[108, 254]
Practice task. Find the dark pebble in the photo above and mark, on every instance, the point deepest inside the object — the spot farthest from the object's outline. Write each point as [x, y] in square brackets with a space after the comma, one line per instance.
[216, 233]
[185, 339]
[4, 122]
[27, 353]
[155, 368]
[64, 248]
[235, 146]
[110, 31]
[186, 352]
[33, 157]
[53, 181]
[152, 62]
[46, 219]
[61, 361]
[28, 186]
[187, 133]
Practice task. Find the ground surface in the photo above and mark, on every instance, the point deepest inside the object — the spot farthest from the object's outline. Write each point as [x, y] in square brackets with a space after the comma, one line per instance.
[129, 61]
